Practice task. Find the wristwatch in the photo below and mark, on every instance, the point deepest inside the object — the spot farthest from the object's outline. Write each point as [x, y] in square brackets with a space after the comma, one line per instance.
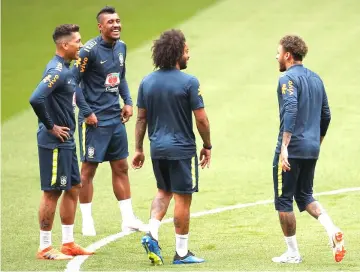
[207, 147]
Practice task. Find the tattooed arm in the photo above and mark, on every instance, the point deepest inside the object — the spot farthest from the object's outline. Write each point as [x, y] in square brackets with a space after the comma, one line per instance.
[289, 96]
[140, 130]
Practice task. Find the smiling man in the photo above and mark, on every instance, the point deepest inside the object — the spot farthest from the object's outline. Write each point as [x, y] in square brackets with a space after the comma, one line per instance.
[100, 71]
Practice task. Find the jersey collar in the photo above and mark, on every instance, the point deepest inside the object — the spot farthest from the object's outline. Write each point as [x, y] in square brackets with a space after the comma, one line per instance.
[295, 65]
[106, 44]
[62, 60]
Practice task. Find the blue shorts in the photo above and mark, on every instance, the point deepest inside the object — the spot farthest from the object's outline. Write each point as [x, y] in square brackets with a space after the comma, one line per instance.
[297, 183]
[59, 168]
[177, 176]
[103, 143]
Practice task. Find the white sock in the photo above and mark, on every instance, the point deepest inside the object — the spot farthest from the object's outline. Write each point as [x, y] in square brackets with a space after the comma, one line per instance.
[154, 226]
[86, 212]
[45, 239]
[182, 244]
[326, 221]
[126, 209]
[67, 233]
[292, 244]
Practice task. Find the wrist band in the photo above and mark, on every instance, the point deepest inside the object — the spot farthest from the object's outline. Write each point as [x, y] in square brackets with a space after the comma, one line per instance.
[207, 147]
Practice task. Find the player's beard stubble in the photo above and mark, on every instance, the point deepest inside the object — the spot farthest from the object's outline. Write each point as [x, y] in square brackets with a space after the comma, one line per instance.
[183, 63]
[282, 67]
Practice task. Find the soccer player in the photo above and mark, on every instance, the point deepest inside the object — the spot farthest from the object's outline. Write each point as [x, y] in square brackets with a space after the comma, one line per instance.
[304, 120]
[53, 103]
[102, 133]
[166, 100]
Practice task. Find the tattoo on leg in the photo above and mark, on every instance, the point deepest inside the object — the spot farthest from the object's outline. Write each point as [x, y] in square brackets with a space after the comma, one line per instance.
[314, 209]
[46, 217]
[44, 224]
[177, 222]
[158, 207]
[187, 220]
[288, 223]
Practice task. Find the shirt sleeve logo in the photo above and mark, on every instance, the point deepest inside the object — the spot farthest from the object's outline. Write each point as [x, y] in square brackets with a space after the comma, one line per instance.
[290, 87]
[78, 62]
[287, 87]
[59, 67]
[83, 65]
[47, 79]
[121, 59]
[51, 82]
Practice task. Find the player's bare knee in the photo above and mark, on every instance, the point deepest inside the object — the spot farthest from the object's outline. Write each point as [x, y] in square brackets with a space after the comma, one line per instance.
[183, 200]
[315, 209]
[88, 171]
[164, 194]
[52, 195]
[120, 167]
[123, 169]
[85, 179]
[74, 191]
[76, 188]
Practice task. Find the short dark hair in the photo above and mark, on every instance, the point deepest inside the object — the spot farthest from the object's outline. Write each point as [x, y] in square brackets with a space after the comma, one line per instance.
[295, 45]
[168, 49]
[64, 30]
[107, 9]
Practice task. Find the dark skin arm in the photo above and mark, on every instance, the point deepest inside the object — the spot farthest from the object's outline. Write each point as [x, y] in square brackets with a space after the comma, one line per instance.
[140, 130]
[203, 126]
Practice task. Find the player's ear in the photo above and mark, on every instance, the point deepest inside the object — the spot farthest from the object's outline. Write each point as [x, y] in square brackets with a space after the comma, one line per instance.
[99, 27]
[287, 55]
[65, 45]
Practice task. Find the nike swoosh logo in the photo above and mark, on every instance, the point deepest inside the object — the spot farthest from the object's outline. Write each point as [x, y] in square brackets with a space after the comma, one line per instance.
[102, 62]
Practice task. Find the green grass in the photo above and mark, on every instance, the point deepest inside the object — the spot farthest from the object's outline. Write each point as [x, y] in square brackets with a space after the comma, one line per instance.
[27, 27]
[246, 239]
[232, 46]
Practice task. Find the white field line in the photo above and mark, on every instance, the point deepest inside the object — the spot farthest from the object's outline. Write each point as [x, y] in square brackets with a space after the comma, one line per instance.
[75, 264]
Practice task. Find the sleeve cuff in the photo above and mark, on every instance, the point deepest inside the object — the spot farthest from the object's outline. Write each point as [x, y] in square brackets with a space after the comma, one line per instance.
[49, 126]
[128, 102]
[86, 115]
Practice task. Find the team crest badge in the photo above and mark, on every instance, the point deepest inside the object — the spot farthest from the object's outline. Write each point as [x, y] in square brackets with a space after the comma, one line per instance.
[63, 180]
[91, 152]
[121, 59]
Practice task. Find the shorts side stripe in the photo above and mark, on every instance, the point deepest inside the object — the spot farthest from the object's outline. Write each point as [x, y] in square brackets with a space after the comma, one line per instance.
[54, 166]
[279, 174]
[193, 176]
[83, 131]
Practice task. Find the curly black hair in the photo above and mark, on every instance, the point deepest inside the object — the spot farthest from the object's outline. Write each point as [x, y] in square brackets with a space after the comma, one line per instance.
[64, 30]
[295, 45]
[168, 49]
